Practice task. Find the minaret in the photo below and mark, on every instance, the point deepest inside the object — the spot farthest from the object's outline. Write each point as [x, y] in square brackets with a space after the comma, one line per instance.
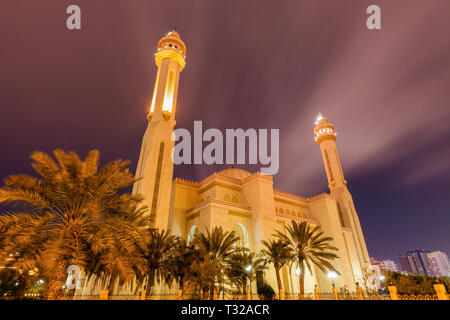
[155, 166]
[325, 137]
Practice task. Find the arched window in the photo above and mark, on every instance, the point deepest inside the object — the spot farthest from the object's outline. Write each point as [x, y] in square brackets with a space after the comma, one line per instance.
[235, 199]
[287, 212]
[227, 198]
[242, 234]
[191, 234]
[281, 210]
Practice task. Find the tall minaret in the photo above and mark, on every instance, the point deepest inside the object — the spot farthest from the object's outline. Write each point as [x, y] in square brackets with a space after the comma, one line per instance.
[325, 137]
[155, 165]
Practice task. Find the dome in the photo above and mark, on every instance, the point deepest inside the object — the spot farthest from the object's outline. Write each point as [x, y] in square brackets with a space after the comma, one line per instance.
[235, 173]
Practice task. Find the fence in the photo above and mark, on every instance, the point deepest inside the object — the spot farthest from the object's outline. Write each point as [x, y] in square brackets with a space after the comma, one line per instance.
[441, 294]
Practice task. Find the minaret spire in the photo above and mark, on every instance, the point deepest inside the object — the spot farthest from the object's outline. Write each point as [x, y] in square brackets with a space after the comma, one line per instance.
[325, 136]
[155, 166]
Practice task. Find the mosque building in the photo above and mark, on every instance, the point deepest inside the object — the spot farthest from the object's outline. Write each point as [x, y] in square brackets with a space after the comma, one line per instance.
[239, 200]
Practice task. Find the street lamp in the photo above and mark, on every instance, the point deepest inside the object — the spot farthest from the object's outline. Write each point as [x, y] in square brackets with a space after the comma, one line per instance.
[297, 271]
[248, 268]
[332, 275]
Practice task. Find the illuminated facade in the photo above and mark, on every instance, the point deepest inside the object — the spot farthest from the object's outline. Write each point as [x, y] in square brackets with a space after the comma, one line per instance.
[239, 200]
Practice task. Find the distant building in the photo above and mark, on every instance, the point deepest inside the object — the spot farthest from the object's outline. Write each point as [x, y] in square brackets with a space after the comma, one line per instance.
[389, 265]
[417, 262]
[439, 264]
[384, 265]
[378, 275]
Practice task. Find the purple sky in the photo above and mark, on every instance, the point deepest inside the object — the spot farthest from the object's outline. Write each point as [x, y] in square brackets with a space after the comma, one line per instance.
[250, 64]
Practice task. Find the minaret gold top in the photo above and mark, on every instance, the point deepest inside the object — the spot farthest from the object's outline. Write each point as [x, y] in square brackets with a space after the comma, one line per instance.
[170, 59]
[323, 130]
[171, 46]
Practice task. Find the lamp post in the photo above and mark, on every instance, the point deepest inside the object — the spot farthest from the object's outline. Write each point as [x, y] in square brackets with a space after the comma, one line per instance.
[332, 275]
[249, 268]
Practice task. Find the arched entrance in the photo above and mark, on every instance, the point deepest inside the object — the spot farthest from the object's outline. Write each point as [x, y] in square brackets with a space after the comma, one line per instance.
[191, 234]
[242, 234]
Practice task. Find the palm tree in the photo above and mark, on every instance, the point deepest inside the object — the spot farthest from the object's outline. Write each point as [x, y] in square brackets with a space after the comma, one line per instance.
[67, 215]
[157, 251]
[217, 243]
[242, 267]
[309, 246]
[180, 261]
[203, 273]
[120, 260]
[277, 253]
[216, 246]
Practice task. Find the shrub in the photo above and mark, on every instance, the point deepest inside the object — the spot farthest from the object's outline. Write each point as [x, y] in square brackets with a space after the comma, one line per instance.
[266, 292]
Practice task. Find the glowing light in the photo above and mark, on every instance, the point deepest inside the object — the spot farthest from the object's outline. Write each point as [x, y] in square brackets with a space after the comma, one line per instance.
[297, 271]
[248, 268]
[331, 274]
[319, 117]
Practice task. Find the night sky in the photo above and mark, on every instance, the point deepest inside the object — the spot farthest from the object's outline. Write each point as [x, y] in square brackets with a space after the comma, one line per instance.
[250, 64]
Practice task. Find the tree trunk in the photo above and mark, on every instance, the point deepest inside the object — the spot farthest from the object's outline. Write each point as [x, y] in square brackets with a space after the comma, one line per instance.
[180, 290]
[54, 289]
[280, 287]
[111, 285]
[151, 278]
[244, 287]
[205, 293]
[302, 285]
[211, 293]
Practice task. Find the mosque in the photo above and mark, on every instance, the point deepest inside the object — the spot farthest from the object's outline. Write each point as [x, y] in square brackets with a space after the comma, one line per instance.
[239, 200]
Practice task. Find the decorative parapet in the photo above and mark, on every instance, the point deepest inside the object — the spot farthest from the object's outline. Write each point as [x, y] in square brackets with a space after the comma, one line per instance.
[320, 197]
[227, 178]
[231, 205]
[257, 175]
[288, 195]
[186, 182]
[286, 216]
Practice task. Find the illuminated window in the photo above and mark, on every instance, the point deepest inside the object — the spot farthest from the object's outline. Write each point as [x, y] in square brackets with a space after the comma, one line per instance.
[152, 107]
[157, 182]
[170, 88]
[328, 165]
